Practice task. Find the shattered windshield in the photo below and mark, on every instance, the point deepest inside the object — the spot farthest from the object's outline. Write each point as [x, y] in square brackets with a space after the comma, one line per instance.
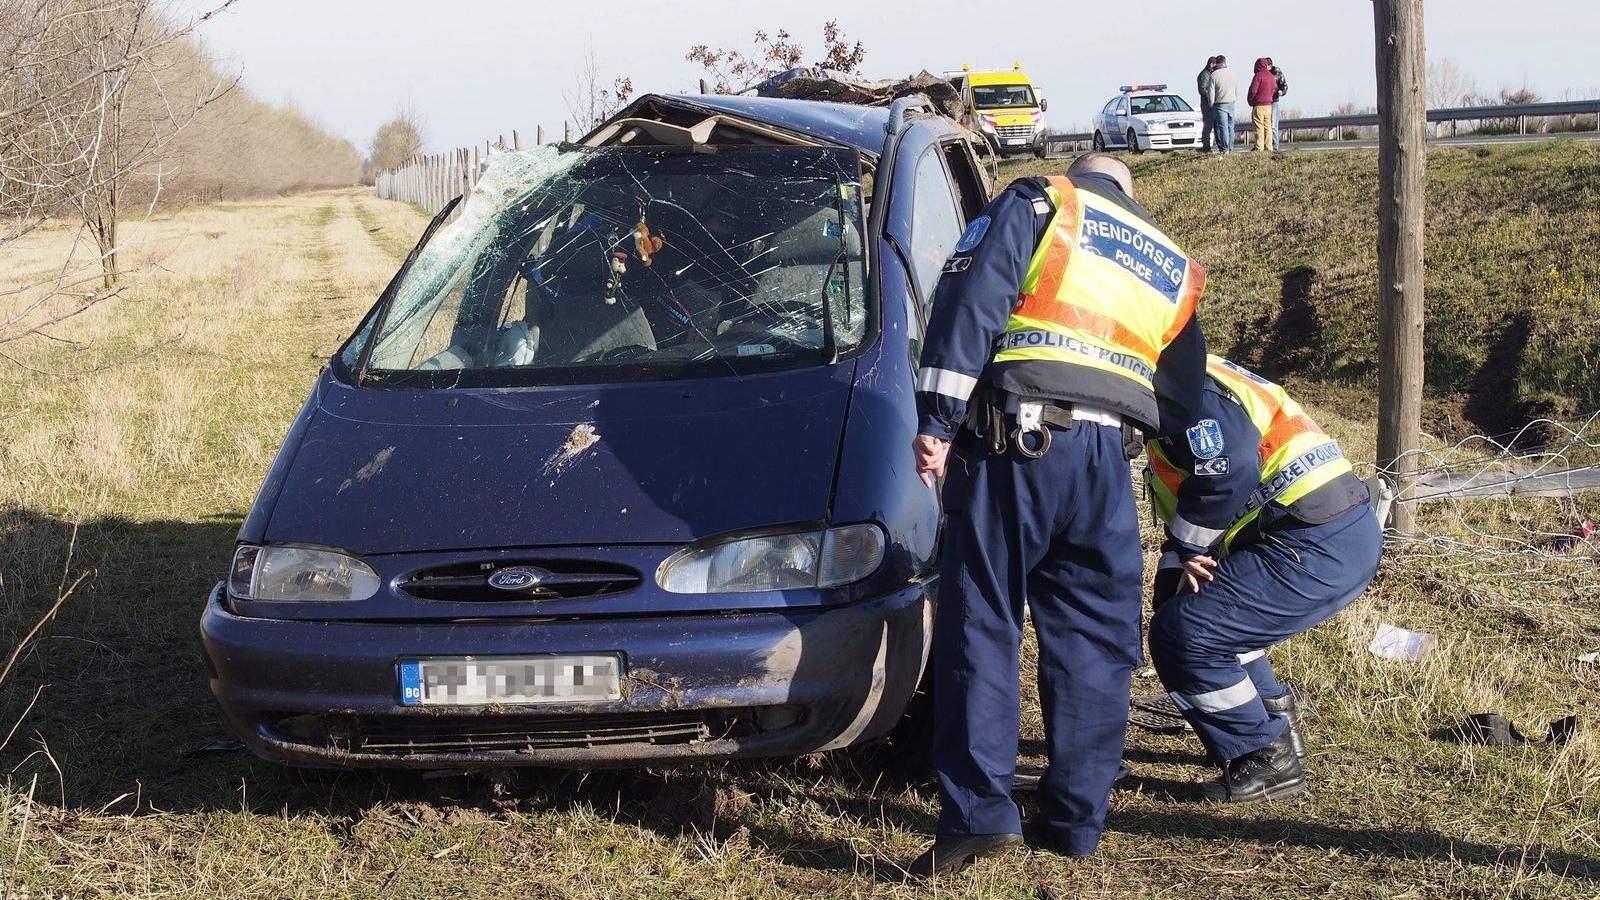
[617, 264]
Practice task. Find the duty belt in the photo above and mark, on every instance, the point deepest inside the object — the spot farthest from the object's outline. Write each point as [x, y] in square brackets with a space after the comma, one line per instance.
[1034, 416]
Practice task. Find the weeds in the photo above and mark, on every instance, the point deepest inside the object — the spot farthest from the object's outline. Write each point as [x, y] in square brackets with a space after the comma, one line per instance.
[153, 461]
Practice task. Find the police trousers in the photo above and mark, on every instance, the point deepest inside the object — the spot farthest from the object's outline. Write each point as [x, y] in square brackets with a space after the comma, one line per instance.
[1061, 535]
[1209, 648]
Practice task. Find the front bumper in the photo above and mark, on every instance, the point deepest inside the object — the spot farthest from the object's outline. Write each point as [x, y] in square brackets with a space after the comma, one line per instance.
[1175, 139]
[702, 686]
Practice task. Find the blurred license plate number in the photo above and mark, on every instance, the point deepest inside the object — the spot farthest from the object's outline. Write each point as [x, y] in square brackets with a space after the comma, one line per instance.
[1013, 141]
[536, 679]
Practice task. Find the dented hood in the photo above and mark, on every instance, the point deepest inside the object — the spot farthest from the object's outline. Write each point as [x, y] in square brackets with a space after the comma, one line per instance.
[386, 471]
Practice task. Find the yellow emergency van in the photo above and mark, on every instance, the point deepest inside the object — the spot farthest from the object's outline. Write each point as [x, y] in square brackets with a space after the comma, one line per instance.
[1003, 107]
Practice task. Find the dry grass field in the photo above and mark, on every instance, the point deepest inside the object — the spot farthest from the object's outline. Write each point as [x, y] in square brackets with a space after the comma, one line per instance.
[132, 466]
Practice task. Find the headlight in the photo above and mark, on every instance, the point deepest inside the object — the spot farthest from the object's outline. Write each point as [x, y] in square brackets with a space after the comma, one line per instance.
[775, 562]
[299, 574]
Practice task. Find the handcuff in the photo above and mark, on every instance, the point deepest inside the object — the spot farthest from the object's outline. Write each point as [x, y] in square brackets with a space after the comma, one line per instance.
[1030, 421]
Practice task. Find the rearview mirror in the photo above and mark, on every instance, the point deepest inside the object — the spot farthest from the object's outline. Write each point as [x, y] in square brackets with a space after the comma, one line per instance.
[1044, 105]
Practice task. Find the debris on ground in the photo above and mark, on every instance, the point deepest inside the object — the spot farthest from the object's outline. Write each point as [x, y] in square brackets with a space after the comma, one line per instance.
[1394, 642]
[1157, 712]
[1497, 731]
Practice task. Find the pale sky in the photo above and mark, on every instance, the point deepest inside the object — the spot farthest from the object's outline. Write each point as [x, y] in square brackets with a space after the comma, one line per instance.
[474, 70]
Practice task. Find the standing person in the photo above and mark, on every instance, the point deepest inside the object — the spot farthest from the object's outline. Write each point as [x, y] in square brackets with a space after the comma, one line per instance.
[1203, 83]
[1062, 328]
[1224, 93]
[1268, 535]
[1277, 95]
[1263, 87]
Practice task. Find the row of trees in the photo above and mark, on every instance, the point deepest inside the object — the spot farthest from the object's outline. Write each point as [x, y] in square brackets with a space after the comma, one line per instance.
[108, 108]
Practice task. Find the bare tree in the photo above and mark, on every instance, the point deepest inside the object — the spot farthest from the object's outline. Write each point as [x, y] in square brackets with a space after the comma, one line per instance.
[1447, 85]
[733, 70]
[591, 101]
[85, 110]
[396, 140]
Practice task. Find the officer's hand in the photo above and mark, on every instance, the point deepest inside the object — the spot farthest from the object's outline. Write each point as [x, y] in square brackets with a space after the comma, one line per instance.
[1195, 568]
[931, 454]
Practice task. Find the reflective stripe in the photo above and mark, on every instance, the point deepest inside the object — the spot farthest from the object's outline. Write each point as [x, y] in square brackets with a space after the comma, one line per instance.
[1252, 656]
[1291, 472]
[946, 382]
[1190, 533]
[1096, 415]
[1033, 337]
[1218, 701]
[1283, 430]
[1098, 325]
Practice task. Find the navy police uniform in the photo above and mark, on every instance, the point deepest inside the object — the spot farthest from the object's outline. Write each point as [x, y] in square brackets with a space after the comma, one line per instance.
[1259, 484]
[1058, 531]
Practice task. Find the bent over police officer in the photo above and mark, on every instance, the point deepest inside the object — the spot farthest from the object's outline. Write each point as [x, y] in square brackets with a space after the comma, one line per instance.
[1062, 330]
[1269, 533]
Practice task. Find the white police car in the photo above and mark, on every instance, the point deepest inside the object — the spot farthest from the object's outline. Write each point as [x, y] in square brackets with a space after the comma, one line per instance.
[1146, 117]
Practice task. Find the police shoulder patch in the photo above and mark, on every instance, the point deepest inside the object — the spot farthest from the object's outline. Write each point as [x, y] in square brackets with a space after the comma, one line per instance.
[957, 264]
[974, 233]
[1217, 466]
[1205, 439]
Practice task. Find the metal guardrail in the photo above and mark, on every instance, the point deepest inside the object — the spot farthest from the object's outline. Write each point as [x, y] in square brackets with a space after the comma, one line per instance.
[1522, 112]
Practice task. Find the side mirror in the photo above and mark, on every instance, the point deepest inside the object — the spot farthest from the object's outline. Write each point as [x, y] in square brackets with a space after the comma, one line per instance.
[1044, 105]
[1122, 110]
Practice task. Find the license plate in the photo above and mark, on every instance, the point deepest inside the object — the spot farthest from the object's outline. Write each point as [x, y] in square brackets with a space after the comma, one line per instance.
[465, 681]
[1013, 140]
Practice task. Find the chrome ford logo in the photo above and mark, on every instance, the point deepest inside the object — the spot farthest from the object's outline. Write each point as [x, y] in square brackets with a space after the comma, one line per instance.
[517, 578]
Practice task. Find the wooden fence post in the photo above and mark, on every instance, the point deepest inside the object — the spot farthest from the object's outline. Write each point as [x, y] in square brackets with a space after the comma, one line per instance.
[1402, 165]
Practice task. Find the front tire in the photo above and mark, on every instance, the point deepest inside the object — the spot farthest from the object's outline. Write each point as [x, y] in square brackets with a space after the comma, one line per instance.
[1133, 142]
[1098, 143]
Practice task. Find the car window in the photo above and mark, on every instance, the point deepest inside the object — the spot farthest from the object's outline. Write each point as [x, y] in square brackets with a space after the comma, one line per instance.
[597, 266]
[1110, 106]
[935, 222]
[1002, 96]
[1159, 104]
[958, 156]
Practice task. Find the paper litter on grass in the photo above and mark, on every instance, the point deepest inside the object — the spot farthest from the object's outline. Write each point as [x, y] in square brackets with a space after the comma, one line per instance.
[1394, 642]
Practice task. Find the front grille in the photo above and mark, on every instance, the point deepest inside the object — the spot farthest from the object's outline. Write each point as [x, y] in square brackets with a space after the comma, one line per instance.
[551, 579]
[1187, 140]
[1014, 131]
[402, 736]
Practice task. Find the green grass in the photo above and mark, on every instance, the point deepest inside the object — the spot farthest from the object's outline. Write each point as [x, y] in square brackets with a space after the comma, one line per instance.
[1289, 243]
[156, 460]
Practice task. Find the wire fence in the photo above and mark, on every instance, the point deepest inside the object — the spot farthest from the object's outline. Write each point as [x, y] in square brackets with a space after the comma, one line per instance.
[1511, 511]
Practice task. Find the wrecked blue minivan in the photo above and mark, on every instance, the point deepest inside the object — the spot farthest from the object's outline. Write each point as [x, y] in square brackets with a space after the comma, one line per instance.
[617, 468]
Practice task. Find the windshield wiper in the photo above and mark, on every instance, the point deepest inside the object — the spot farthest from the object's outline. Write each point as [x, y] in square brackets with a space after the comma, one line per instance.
[386, 299]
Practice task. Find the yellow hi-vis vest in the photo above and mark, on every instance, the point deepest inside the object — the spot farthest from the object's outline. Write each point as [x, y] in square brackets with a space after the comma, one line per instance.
[1297, 457]
[1105, 289]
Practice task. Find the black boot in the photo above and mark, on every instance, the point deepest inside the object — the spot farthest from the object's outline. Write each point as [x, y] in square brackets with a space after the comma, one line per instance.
[951, 853]
[1287, 707]
[1269, 773]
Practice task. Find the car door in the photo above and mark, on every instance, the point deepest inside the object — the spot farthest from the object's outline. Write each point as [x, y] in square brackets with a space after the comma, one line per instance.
[1121, 119]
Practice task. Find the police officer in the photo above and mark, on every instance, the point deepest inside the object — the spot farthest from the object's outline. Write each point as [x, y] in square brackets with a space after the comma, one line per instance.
[1268, 534]
[1062, 328]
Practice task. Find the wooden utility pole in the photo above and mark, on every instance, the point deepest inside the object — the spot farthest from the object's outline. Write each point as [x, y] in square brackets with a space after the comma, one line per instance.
[1402, 162]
